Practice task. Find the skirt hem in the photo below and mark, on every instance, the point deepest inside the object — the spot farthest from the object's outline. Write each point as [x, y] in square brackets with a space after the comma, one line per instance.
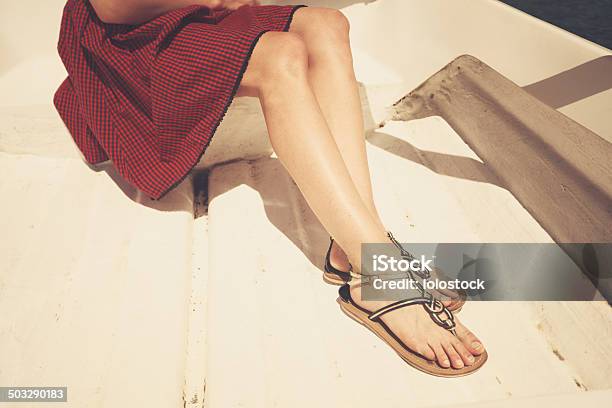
[228, 102]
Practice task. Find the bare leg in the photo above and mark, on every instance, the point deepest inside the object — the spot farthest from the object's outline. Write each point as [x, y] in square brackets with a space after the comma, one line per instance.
[330, 71]
[303, 142]
[325, 32]
[278, 75]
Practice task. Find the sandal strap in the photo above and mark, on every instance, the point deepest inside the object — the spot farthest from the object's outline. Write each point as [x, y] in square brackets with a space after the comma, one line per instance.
[328, 264]
[434, 307]
[407, 255]
[436, 310]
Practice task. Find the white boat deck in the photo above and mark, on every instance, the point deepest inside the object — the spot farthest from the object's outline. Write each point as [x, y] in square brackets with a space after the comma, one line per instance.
[133, 302]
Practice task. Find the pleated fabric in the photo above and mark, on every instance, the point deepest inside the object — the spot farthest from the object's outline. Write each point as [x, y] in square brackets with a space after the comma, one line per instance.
[150, 97]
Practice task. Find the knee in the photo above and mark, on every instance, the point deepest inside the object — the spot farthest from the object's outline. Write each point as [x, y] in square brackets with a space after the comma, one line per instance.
[327, 37]
[331, 23]
[288, 57]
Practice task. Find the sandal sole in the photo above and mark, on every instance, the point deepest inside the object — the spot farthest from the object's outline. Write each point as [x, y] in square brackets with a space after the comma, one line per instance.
[333, 279]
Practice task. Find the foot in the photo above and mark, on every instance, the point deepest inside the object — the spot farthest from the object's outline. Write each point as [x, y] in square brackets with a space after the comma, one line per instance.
[414, 327]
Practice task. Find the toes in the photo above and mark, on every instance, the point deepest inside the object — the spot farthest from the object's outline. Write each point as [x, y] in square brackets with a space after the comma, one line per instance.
[455, 358]
[441, 356]
[469, 340]
[427, 352]
[466, 355]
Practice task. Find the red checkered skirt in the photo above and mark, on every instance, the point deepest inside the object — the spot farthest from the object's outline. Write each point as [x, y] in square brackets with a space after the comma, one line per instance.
[149, 97]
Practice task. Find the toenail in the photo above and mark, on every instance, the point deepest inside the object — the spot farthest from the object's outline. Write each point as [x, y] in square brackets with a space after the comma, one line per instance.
[459, 363]
[476, 345]
[471, 358]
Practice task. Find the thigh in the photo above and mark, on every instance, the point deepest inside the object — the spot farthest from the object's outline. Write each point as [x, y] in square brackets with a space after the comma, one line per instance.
[259, 62]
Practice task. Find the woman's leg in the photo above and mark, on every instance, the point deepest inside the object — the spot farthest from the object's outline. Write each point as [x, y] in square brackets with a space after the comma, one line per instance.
[325, 32]
[330, 70]
[278, 75]
[300, 136]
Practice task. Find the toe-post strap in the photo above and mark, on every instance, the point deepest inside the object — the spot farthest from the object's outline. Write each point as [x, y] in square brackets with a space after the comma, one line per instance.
[440, 315]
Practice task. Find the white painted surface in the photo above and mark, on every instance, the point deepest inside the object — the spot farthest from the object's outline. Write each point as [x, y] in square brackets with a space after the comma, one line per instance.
[585, 399]
[274, 327]
[94, 285]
